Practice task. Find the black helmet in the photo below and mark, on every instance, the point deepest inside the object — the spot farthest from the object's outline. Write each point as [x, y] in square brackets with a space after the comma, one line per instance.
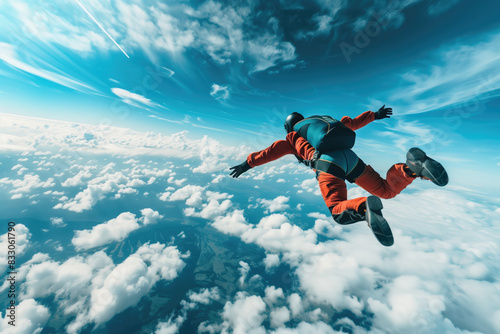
[291, 120]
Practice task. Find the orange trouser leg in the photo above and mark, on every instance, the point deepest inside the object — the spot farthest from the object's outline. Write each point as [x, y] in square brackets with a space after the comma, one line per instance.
[346, 211]
[396, 180]
[334, 193]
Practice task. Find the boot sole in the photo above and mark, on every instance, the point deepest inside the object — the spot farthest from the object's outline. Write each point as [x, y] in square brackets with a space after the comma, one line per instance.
[434, 171]
[422, 165]
[377, 223]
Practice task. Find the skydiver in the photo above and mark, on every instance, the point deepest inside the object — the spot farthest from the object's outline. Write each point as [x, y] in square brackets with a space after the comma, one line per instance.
[344, 164]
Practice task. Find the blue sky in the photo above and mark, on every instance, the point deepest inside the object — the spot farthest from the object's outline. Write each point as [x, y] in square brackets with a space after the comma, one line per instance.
[233, 72]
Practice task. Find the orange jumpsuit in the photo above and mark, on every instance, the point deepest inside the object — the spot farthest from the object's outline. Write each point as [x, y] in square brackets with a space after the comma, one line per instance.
[333, 188]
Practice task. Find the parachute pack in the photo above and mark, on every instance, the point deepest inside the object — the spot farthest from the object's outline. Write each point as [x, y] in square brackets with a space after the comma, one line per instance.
[332, 141]
[325, 133]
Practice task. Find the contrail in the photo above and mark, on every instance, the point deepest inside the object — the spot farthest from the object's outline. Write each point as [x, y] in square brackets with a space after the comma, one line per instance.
[100, 26]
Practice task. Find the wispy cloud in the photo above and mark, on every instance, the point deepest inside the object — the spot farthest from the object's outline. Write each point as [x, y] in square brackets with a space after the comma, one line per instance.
[224, 33]
[219, 92]
[134, 99]
[9, 55]
[453, 75]
[439, 7]
[168, 72]
[408, 134]
[165, 119]
[56, 23]
[101, 27]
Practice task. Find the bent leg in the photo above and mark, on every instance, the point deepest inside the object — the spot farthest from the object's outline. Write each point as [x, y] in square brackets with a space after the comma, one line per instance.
[334, 193]
[396, 180]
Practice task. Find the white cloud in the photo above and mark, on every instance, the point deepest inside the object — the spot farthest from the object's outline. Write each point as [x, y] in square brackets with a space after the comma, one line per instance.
[220, 177]
[289, 239]
[244, 269]
[310, 186]
[172, 326]
[77, 180]
[24, 133]
[459, 75]
[422, 284]
[277, 204]
[27, 185]
[271, 261]
[295, 304]
[245, 315]
[333, 280]
[215, 205]
[57, 221]
[325, 226]
[132, 279]
[225, 33]
[30, 318]
[273, 221]
[28, 134]
[191, 193]
[408, 297]
[9, 55]
[213, 156]
[96, 190]
[233, 223]
[20, 169]
[279, 317]
[116, 229]
[273, 295]
[219, 92]
[47, 23]
[410, 134]
[204, 297]
[133, 99]
[22, 237]
[269, 51]
[306, 327]
[99, 187]
[93, 288]
[150, 216]
[176, 182]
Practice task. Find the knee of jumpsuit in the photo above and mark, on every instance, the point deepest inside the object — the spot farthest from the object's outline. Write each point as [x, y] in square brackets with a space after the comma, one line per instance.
[334, 193]
[302, 146]
[396, 180]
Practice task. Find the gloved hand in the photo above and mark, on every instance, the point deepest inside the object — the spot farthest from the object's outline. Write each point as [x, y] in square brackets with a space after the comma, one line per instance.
[383, 112]
[239, 169]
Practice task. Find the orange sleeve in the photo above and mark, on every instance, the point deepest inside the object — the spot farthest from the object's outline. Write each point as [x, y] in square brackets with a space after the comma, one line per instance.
[302, 147]
[360, 121]
[273, 152]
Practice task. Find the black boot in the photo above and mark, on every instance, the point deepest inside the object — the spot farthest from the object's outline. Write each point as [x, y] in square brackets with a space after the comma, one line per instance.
[377, 222]
[425, 167]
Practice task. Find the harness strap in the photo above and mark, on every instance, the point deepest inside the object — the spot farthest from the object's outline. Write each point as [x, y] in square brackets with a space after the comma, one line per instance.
[330, 168]
[356, 171]
[312, 162]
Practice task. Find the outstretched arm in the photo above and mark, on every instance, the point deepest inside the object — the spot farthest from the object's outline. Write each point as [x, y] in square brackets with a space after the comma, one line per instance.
[273, 152]
[366, 118]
